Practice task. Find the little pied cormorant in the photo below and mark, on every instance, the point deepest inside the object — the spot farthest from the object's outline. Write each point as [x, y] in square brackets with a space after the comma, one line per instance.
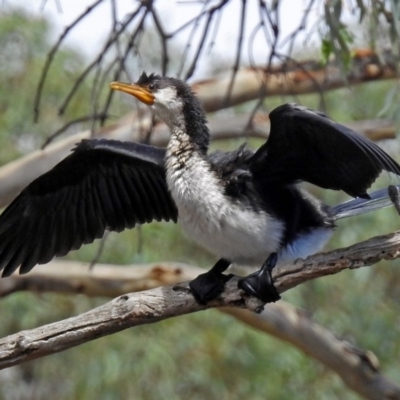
[244, 206]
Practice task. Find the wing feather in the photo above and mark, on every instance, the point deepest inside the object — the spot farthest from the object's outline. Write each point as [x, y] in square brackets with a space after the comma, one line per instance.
[307, 146]
[103, 184]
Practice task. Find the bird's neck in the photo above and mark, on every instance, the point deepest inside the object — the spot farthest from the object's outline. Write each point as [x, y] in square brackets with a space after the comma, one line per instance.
[186, 159]
[183, 153]
[189, 131]
[188, 169]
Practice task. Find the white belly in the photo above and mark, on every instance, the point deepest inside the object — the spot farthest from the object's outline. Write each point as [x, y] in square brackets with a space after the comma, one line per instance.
[212, 221]
[234, 234]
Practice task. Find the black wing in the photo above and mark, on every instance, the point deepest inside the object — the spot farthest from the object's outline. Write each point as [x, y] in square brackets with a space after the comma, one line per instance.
[103, 184]
[307, 146]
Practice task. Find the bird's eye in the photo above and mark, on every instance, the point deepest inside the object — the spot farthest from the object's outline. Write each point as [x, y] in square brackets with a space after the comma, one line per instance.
[151, 86]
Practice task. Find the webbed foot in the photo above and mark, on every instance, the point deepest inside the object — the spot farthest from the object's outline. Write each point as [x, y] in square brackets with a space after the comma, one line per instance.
[208, 286]
[260, 284]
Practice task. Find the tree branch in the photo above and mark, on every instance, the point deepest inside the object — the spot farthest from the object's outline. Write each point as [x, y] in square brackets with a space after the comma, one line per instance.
[294, 78]
[357, 368]
[60, 276]
[368, 252]
[121, 313]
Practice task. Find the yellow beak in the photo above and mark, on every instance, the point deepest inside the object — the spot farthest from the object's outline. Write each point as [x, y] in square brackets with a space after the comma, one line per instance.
[141, 93]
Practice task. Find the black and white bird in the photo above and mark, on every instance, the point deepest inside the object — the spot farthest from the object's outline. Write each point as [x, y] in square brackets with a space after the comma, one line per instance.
[244, 206]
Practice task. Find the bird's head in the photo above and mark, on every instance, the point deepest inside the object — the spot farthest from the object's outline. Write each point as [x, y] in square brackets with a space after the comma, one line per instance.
[165, 96]
[173, 101]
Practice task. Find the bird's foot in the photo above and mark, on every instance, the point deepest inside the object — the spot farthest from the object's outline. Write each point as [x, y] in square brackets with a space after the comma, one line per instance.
[208, 286]
[260, 284]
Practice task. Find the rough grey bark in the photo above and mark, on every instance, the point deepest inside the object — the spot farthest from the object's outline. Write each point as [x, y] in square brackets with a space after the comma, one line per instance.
[357, 368]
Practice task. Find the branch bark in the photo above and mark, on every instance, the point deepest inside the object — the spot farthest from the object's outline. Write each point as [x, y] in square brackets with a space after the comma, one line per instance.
[294, 78]
[61, 276]
[359, 369]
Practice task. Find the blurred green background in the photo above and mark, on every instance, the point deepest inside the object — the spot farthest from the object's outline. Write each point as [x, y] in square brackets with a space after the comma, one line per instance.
[207, 355]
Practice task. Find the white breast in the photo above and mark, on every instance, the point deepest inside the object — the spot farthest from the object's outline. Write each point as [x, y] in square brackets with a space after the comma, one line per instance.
[213, 221]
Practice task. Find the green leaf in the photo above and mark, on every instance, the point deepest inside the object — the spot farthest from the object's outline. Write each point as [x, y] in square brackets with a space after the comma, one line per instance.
[326, 50]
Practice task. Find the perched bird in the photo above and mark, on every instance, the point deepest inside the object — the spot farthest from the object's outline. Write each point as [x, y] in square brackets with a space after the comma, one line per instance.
[244, 206]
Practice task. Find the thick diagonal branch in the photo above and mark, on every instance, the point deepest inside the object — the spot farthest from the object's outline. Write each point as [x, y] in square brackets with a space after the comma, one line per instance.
[157, 304]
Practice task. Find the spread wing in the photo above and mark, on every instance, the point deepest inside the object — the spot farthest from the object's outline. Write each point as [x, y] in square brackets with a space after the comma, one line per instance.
[103, 184]
[307, 146]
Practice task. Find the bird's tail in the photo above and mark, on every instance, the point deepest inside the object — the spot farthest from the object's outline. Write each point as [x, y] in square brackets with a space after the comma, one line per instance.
[380, 199]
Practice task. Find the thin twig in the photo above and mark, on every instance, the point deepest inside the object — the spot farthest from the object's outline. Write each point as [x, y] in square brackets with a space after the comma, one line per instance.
[163, 38]
[59, 131]
[121, 61]
[99, 251]
[51, 55]
[200, 46]
[195, 22]
[235, 67]
[102, 53]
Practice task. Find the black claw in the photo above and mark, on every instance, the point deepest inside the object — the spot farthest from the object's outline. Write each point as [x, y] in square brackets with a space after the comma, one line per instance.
[208, 286]
[260, 284]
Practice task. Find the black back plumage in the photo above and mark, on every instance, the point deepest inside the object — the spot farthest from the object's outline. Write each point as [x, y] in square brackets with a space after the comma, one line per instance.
[103, 184]
[299, 211]
[232, 169]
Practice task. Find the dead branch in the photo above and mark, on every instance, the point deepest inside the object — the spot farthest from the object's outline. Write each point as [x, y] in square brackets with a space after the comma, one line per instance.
[293, 78]
[61, 276]
[121, 313]
[281, 320]
[358, 368]
[368, 252]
